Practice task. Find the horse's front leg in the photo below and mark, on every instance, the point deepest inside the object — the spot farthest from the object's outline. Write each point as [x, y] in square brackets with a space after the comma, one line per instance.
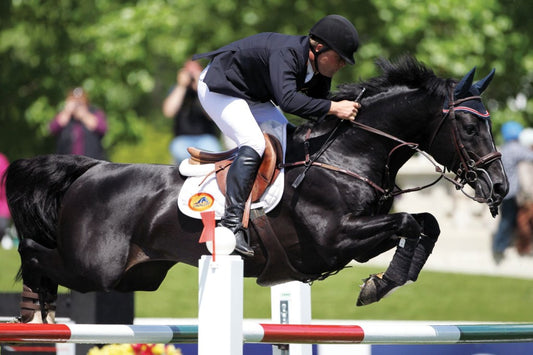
[425, 245]
[414, 236]
[410, 256]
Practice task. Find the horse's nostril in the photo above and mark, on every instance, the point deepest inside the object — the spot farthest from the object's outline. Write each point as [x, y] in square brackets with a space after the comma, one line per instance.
[501, 189]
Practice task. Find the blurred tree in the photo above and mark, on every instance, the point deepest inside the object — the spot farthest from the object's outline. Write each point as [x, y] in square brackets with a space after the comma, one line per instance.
[453, 36]
[125, 54]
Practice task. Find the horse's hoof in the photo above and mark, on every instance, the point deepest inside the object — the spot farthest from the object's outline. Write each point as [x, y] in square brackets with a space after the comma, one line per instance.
[373, 289]
[368, 293]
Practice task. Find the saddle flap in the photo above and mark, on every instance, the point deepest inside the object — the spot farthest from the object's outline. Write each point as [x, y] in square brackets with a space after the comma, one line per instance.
[267, 173]
[278, 266]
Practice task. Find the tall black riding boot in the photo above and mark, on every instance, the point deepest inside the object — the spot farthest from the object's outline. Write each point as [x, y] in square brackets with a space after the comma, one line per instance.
[240, 180]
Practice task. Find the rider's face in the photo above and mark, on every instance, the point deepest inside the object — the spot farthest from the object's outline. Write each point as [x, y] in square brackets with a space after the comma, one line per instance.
[329, 62]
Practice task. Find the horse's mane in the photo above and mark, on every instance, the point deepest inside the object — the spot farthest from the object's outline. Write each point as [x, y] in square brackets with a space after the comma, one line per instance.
[404, 73]
[407, 71]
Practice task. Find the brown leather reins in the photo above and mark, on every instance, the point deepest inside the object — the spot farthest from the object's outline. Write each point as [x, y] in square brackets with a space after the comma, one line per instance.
[466, 173]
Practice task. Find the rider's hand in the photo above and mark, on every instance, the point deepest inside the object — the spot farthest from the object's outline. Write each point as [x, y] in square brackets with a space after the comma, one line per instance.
[345, 110]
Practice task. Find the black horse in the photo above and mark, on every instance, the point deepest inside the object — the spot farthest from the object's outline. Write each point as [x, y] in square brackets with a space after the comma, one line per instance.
[92, 225]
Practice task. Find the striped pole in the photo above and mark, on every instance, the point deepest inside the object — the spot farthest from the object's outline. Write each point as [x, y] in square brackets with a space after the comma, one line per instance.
[97, 333]
[253, 332]
[387, 333]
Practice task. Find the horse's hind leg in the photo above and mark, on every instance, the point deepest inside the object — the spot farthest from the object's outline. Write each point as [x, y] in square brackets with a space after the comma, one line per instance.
[39, 293]
[40, 306]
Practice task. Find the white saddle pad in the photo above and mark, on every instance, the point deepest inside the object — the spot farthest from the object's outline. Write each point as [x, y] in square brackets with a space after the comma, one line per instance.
[200, 191]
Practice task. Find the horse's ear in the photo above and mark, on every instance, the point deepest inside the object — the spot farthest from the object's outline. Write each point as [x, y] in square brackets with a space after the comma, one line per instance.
[483, 83]
[462, 88]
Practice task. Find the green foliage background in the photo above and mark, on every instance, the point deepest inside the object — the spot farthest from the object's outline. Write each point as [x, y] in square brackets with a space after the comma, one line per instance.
[126, 53]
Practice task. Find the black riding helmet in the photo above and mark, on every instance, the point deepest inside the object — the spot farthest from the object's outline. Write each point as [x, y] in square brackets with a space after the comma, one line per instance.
[338, 34]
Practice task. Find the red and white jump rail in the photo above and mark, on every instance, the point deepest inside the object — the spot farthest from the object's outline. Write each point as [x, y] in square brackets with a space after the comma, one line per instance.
[253, 332]
[221, 329]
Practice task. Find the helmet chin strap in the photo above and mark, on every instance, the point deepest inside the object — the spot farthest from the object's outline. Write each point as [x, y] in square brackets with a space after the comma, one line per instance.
[316, 54]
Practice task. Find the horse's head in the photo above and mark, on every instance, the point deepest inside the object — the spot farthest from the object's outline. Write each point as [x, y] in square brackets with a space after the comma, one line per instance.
[463, 141]
[403, 111]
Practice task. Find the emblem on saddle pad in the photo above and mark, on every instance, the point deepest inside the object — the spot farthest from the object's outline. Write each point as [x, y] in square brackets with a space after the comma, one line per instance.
[201, 201]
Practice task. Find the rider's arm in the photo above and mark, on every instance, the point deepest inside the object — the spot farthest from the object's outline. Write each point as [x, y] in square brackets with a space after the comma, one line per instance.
[284, 68]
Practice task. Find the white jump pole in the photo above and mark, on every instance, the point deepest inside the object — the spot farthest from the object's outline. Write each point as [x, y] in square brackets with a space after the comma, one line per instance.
[220, 305]
[220, 296]
[291, 304]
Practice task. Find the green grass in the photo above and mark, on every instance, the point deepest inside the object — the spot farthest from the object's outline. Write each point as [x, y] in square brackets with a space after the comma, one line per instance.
[435, 296]
[9, 265]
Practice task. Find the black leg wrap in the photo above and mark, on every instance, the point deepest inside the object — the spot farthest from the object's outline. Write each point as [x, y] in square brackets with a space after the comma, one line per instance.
[423, 250]
[377, 286]
[398, 270]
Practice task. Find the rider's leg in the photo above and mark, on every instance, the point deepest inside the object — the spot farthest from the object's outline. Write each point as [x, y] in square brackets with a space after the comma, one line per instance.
[235, 119]
[239, 183]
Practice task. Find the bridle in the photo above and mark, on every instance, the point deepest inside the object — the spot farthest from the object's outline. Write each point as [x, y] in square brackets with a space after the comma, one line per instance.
[470, 165]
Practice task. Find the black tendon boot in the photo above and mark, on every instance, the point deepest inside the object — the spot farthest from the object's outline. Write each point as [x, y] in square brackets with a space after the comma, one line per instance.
[239, 183]
[423, 250]
[377, 286]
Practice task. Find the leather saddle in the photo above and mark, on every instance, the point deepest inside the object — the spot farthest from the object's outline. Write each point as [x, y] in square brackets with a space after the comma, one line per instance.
[267, 173]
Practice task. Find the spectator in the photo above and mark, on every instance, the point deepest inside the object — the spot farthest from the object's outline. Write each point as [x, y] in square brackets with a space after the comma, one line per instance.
[79, 127]
[5, 216]
[191, 125]
[512, 154]
[524, 199]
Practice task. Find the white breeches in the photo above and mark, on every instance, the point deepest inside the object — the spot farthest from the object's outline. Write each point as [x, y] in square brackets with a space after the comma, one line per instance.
[238, 119]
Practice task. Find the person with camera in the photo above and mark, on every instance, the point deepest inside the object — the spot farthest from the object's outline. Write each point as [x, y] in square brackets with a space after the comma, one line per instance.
[79, 127]
[191, 125]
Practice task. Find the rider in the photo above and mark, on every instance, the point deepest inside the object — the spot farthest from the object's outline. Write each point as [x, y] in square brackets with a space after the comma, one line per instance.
[246, 81]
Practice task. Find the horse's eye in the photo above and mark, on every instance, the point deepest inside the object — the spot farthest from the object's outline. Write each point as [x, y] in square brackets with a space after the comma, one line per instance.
[471, 129]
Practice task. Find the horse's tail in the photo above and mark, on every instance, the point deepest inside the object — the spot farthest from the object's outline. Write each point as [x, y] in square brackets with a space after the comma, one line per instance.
[34, 190]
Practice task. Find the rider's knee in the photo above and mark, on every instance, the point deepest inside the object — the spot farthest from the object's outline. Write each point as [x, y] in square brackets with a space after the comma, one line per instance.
[256, 144]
